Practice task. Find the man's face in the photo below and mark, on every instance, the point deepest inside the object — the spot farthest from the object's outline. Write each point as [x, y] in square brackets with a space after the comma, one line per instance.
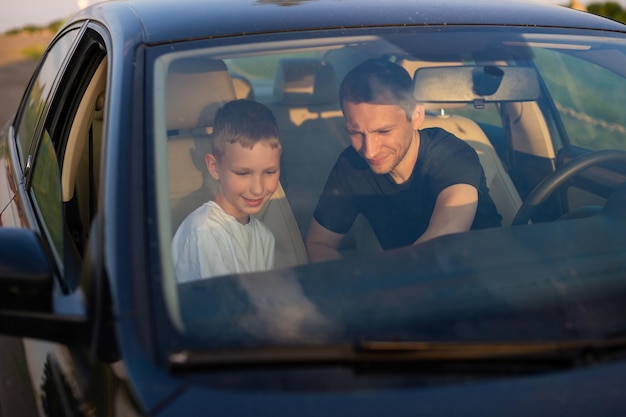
[383, 136]
[247, 178]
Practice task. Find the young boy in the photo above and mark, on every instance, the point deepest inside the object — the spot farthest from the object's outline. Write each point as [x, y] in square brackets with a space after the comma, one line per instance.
[220, 237]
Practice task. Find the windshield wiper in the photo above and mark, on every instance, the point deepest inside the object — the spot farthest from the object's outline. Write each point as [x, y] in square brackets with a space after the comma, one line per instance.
[383, 352]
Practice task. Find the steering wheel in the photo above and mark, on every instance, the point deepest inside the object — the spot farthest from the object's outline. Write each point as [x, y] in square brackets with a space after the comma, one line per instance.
[553, 181]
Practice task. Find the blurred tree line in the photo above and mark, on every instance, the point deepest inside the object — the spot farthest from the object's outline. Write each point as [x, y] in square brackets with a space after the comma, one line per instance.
[608, 9]
[51, 27]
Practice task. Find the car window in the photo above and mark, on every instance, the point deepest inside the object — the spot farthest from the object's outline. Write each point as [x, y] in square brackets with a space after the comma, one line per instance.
[589, 99]
[260, 73]
[37, 96]
[66, 172]
[46, 188]
[516, 132]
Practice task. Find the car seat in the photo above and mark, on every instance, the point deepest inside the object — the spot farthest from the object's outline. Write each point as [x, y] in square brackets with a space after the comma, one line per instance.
[196, 89]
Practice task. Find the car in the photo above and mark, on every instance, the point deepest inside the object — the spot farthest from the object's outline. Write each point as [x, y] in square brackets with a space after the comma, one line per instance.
[105, 156]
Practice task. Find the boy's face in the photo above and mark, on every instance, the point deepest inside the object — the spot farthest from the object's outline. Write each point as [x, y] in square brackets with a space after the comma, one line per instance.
[247, 178]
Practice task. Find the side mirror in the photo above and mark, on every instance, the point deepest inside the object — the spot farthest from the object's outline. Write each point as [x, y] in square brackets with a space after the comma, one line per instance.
[25, 272]
[26, 291]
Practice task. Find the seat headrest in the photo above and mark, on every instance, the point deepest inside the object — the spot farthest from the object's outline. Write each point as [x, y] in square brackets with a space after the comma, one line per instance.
[412, 65]
[243, 87]
[196, 86]
[305, 82]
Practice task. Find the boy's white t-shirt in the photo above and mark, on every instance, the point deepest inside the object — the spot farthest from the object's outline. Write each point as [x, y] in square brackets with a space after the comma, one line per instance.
[210, 242]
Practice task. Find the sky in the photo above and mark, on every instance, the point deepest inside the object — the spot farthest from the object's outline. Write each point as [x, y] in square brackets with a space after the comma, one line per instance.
[42, 12]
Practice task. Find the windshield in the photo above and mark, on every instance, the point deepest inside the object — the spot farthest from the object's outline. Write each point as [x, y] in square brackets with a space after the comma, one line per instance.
[238, 222]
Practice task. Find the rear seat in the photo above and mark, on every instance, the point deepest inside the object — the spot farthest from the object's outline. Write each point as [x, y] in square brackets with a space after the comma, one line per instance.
[312, 130]
[196, 88]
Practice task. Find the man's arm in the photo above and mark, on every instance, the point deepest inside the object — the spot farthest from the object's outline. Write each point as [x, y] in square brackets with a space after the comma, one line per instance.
[321, 243]
[454, 212]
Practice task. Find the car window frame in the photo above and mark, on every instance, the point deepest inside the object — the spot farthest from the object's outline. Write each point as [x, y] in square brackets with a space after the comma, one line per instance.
[172, 325]
[33, 141]
[56, 123]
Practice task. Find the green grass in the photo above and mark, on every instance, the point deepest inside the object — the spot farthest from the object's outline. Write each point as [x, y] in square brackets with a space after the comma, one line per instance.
[33, 52]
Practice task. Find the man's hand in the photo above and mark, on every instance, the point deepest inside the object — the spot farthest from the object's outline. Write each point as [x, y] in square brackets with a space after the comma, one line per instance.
[321, 243]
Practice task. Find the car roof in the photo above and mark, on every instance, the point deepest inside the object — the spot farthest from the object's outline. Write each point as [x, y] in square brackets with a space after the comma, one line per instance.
[171, 20]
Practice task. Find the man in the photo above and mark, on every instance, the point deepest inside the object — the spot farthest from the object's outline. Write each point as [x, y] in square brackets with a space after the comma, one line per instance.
[411, 185]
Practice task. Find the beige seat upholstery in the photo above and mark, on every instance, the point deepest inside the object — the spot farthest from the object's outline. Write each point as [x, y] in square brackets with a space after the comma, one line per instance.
[196, 85]
[305, 89]
[243, 87]
[306, 81]
[195, 90]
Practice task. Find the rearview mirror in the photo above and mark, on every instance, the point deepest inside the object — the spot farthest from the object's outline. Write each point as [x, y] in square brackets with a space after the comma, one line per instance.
[475, 83]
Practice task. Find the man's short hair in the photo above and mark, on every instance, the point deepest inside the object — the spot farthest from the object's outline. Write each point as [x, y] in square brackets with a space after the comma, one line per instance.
[245, 122]
[378, 81]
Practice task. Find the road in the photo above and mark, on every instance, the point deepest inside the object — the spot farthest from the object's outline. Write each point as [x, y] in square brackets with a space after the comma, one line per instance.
[16, 398]
[15, 69]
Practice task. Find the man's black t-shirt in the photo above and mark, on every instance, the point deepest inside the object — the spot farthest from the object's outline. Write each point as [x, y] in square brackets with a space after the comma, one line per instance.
[400, 213]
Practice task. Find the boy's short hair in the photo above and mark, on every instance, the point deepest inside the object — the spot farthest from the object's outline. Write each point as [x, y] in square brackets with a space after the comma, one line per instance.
[245, 122]
[378, 81]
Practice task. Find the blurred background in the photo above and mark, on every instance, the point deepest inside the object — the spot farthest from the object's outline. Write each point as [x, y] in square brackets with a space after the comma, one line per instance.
[38, 13]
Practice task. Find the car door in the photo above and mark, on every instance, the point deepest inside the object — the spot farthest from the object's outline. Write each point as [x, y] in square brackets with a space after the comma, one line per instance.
[566, 122]
[582, 124]
[588, 125]
[27, 126]
[16, 162]
[59, 144]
